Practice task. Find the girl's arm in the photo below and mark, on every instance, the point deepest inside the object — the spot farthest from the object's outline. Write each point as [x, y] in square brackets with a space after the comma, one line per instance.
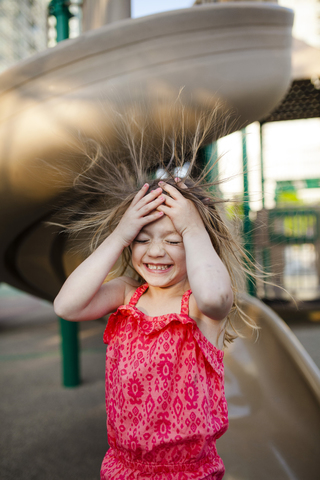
[208, 277]
[83, 295]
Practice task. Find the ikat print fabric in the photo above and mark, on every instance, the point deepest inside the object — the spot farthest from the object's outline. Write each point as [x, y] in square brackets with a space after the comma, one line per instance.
[165, 397]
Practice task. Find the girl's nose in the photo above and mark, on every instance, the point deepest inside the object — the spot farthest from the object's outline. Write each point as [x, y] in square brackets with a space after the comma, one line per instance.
[156, 249]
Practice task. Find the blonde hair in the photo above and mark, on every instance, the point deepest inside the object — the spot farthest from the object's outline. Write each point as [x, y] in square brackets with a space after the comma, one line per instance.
[111, 177]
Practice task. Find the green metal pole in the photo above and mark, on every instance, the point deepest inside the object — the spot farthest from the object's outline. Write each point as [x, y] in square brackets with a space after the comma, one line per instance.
[208, 157]
[70, 353]
[247, 228]
[69, 330]
[265, 250]
[261, 163]
[60, 9]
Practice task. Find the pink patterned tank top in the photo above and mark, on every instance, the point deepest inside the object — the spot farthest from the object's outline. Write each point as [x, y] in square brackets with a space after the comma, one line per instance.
[164, 396]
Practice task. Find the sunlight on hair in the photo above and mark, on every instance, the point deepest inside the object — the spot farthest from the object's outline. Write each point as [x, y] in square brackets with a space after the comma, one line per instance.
[180, 172]
[160, 142]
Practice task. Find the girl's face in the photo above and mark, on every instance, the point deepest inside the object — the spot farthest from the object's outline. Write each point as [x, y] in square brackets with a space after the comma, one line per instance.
[158, 254]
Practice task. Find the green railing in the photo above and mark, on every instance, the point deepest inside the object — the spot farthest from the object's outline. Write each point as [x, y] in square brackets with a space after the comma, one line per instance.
[287, 245]
[294, 226]
[69, 330]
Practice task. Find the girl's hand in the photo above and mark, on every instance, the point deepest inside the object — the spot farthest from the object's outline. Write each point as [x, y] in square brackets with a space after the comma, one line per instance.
[142, 210]
[181, 211]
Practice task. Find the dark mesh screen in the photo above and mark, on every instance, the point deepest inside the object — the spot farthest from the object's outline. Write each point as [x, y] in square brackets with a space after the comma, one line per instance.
[301, 101]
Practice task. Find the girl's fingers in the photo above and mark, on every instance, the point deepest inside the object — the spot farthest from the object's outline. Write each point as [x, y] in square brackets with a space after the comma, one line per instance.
[169, 201]
[155, 215]
[164, 209]
[146, 199]
[175, 194]
[180, 183]
[140, 194]
[147, 208]
[141, 199]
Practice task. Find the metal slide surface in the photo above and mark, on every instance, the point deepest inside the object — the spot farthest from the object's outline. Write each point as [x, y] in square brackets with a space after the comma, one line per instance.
[273, 393]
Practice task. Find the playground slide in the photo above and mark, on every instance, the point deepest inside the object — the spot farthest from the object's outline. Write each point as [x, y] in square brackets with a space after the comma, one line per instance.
[273, 394]
[243, 53]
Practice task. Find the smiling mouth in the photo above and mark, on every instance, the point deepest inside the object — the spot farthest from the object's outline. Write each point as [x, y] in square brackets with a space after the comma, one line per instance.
[154, 267]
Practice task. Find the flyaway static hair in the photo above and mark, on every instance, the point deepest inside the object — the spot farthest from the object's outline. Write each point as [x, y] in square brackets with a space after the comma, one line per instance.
[168, 141]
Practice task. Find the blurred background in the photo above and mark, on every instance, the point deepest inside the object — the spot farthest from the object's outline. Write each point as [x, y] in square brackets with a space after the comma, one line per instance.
[282, 151]
[280, 197]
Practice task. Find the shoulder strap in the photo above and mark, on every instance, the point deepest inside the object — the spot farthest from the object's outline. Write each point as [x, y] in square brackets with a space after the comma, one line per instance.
[137, 294]
[185, 302]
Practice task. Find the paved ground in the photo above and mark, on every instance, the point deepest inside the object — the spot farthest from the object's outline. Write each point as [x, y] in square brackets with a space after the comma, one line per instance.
[49, 432]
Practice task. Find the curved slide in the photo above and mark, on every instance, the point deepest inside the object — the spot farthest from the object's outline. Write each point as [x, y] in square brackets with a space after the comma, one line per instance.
[234, 53]
[273, 394]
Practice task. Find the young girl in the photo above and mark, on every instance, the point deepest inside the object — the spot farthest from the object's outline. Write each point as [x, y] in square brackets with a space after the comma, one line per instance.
[165, 397]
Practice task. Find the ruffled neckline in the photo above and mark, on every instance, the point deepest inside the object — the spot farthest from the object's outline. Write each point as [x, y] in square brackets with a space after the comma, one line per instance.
[151, 325]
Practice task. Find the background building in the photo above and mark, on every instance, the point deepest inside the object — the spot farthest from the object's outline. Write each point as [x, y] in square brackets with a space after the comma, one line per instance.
[23, 30]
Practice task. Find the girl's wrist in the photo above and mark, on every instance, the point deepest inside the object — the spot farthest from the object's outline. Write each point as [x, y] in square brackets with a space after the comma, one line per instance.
[119, 239]
[194, 231]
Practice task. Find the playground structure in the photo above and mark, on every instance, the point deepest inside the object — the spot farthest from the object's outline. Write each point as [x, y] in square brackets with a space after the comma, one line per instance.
[243, 52]
[287, 244]
[287, 237]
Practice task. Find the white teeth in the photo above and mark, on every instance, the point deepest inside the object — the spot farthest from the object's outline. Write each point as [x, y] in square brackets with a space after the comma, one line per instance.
[158, 267]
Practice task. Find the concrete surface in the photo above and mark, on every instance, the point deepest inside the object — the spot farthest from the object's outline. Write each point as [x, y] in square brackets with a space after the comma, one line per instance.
[49, 432]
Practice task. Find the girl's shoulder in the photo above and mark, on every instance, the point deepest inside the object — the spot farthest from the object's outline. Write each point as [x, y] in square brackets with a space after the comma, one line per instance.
[114, 293]
[130, 286]
[211, 329]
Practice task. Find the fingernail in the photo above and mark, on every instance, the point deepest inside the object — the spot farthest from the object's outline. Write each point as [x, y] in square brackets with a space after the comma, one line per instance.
[177, 179]
[146, 185]
[161, 183]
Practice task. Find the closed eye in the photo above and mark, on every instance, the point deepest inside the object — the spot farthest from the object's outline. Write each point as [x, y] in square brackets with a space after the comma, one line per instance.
[173, 243]
[141, 241]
